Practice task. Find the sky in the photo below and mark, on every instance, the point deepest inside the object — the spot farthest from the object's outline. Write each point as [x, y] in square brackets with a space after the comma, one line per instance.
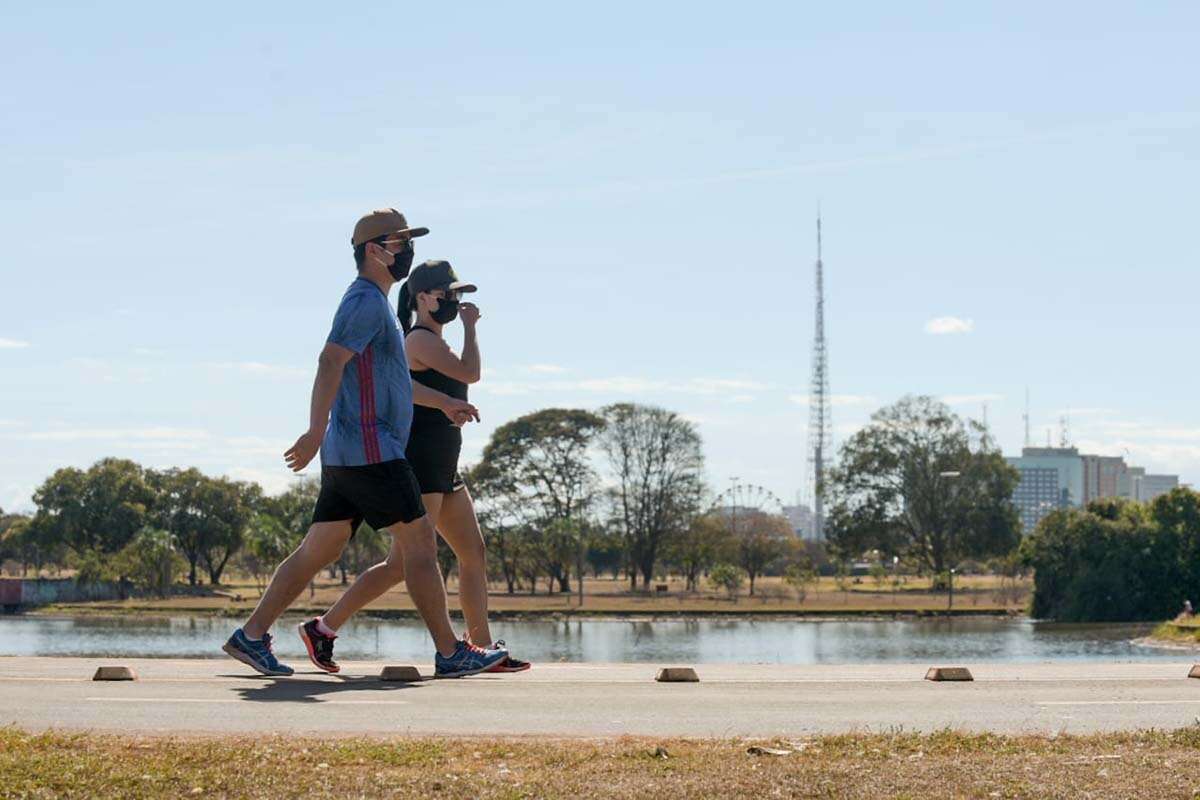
[1007, 193]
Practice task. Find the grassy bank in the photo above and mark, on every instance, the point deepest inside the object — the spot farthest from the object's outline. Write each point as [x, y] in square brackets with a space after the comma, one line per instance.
[1136, 765]
[973, 595]
[1178, 632]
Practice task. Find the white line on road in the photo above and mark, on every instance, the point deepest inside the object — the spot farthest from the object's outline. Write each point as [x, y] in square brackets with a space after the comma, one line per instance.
[1115, 702]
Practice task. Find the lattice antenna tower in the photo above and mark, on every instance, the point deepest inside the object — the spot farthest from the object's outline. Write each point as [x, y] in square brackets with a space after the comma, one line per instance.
[820, 421]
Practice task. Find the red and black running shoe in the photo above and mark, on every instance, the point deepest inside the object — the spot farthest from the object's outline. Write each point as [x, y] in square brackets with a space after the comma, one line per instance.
[512, 664]
[319, 646]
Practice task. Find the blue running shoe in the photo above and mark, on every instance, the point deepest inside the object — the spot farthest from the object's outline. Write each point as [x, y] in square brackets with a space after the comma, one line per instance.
[467, 660]
[256, 654]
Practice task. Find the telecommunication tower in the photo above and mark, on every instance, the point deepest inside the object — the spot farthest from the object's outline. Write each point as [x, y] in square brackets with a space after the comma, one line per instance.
[820, 422]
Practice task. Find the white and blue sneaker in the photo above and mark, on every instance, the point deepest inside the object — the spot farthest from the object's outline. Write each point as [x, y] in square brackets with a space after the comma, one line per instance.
[256, 653]
[468, 659]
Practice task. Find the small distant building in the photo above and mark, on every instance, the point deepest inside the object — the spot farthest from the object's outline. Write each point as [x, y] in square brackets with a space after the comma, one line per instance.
[1051, 477]
[802, 520]
[1102, 476]
[1137, 485]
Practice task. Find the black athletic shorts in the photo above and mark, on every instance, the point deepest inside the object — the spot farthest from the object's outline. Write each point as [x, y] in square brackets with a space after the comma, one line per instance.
[383, 494]
[433, 453]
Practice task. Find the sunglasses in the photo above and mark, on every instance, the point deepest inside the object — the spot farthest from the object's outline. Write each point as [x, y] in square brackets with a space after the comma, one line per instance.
[446, 294]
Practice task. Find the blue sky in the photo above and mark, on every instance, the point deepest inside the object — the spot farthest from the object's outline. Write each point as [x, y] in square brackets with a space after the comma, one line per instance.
[633, 187]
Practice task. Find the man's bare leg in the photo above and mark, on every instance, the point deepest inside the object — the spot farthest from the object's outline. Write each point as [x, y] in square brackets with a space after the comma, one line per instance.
[321, 547]
[416, 545]
[374, 582]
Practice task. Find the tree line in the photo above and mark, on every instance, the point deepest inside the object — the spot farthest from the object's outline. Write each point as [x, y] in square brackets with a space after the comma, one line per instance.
[560, 493]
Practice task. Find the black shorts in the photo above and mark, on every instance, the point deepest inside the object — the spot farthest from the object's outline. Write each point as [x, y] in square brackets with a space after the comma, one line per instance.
[433, 454]
[383, 494]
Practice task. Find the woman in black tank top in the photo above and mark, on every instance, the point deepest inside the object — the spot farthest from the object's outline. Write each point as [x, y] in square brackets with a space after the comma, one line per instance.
[434, 293]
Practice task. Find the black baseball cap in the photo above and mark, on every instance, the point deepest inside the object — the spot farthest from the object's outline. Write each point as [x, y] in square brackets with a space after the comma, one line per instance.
[436, 274]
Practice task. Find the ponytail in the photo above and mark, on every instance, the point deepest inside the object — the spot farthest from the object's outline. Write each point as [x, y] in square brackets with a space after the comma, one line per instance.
[404, 308]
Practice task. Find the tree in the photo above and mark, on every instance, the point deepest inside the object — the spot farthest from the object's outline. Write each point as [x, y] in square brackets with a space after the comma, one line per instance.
[761, 538]
[537, 466]
[1115, 560]
[727, 577]
[98, 510]
[267, 543]
[706, 542]
[151, 561]
[890, 490]
[799, 574]
[658, 464]
[207, 516]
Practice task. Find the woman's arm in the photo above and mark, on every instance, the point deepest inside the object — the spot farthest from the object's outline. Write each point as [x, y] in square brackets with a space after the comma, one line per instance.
[430, 351]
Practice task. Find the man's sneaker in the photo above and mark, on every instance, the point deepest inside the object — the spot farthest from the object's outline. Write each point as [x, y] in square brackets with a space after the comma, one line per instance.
[319, 646]
[467, 660]
[511, 664]
[256, 654]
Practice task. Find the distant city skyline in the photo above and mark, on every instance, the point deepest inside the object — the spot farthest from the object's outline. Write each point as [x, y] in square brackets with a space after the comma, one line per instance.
[635, 201]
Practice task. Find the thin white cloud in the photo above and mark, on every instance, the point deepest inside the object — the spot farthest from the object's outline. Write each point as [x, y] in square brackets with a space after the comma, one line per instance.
[13, 344]
[157, 435]
[147, 351]
[544, 369]
[258, 369]
[969, 399]
[940, 326]
[625, 385]
[839, 400]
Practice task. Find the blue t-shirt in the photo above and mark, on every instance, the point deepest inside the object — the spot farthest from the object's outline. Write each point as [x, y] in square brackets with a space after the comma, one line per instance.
[372, 414]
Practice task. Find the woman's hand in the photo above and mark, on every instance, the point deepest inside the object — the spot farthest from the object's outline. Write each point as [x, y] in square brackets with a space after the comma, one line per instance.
[469, 313]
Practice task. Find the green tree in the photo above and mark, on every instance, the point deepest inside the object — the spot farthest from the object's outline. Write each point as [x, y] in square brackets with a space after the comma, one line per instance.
[727, 577]
[890, 491]
[267, 543]
[151, 561]
[706, 542]
[657, 462]
[207, 516]
[97, 510]
[799, 575]
[537, 465]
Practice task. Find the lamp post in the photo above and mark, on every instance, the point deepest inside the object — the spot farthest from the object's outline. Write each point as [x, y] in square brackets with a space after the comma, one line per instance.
[950, 599]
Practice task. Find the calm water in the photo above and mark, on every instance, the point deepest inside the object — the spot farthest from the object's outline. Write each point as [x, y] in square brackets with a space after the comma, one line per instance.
[692, 641]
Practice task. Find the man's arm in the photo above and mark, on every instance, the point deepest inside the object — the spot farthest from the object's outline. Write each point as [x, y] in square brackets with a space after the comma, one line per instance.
[459, 411]
[330, 366]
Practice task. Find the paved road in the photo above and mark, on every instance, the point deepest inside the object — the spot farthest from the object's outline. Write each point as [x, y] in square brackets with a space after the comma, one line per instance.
[203, 696]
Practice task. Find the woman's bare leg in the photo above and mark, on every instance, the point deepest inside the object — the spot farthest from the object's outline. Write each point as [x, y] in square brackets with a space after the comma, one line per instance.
[457, 524]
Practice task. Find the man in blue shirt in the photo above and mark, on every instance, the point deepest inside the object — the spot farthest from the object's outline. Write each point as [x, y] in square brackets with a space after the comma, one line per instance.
[360, 416]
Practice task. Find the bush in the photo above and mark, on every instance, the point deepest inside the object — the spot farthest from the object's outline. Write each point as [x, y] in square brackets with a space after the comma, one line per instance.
[727, 577]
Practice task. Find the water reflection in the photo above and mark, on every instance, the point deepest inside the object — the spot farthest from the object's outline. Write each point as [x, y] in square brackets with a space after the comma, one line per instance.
[688, 640]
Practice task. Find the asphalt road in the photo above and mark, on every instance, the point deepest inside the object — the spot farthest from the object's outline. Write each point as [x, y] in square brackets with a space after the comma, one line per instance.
[223, 696]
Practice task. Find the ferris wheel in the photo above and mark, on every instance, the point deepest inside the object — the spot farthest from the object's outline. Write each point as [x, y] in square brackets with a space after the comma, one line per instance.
[745, 501]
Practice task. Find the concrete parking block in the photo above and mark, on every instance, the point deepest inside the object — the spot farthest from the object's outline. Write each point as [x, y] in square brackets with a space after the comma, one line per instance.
[115, 673]
[1195, 673]
[677, 675]
[949, 674]
[404, 674]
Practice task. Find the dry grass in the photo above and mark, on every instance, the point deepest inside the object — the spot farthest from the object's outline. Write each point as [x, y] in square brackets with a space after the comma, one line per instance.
[973, 594]
[1135, 765]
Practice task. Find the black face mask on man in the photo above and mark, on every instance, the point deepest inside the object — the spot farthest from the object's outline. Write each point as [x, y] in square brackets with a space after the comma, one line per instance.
[402, 263]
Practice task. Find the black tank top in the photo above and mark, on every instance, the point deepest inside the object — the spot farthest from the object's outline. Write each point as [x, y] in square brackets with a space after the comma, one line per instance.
[425, 418]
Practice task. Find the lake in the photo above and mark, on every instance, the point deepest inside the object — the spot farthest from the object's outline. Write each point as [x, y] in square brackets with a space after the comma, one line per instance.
[695, 641]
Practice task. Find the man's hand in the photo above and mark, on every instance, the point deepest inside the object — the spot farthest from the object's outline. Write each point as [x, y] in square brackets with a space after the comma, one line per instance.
[460, 412]
[302, 452]
[468, 313]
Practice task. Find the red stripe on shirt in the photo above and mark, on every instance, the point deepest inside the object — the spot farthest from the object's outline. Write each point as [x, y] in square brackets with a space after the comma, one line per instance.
[366, 406]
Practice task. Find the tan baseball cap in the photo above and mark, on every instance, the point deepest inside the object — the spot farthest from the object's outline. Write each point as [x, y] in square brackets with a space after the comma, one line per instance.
[381, 222]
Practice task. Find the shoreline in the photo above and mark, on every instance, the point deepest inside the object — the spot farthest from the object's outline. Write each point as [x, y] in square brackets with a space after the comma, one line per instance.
[552, 615]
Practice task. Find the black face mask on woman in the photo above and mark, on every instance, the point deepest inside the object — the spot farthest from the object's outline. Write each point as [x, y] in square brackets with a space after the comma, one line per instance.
[402, 263]
[447, 311]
